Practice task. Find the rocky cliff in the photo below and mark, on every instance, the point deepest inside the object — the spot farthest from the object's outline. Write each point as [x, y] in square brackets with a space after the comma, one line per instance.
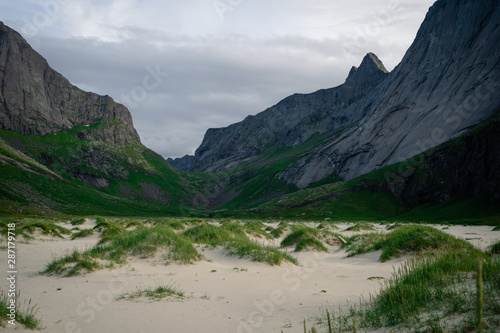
[74, 136]
[35, 99]
[292, 121]
[184, 163]
[446, 84]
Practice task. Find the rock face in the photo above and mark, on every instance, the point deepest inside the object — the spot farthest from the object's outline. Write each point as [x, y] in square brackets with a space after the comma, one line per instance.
[98, 143]
[35, 99]
[446, 83]
[468, 166]
[292, 121]
[184, 163]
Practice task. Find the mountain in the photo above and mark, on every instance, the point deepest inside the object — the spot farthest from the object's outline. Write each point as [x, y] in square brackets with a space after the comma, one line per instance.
[292, 121]
[52, 129]
[419, 143]
[444, 86]
[184, 163]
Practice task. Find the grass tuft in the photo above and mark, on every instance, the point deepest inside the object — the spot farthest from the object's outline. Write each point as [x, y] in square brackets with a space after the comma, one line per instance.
[26, 313]
[82, 233]
[361, 226]
[142, 241]
[306, 238]
[160, 292]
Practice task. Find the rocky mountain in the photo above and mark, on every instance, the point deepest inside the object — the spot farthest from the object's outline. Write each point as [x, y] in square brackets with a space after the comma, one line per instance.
[292, 121]
[444, 86]
[184, 163]
[54, 129]
[35, 99]
[457, 180]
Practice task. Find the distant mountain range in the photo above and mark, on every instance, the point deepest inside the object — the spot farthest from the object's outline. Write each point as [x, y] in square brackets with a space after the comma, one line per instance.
[384, 144]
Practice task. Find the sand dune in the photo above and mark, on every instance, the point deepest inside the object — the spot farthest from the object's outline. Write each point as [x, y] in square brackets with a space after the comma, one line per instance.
[222, 294]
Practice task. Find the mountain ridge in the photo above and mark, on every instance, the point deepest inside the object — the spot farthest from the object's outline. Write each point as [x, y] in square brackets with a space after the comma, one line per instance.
[425, 101]
[290, 122]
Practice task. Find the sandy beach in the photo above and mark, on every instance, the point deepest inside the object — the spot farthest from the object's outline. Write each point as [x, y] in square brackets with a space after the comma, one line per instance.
[221, 294]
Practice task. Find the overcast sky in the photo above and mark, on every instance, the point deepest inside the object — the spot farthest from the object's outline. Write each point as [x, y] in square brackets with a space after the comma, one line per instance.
[183, 66]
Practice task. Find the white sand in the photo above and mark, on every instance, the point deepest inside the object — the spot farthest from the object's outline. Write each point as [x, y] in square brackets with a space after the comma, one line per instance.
[259, 298]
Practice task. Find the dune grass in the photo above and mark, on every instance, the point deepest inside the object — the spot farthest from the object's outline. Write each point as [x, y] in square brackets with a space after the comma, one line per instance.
[143, 242]
[361, 226]
[168, 291]
[28, 226]
[82, 233]
[117, 243]
[279, 230]
[78, 221]
[495, 248]
[406, 239]
[26, 313]
[307, 238]
[234, 237]
[429, 292]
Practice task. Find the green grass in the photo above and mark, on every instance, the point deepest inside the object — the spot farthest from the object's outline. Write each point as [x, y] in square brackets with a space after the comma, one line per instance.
[234, 237]
[209, 234]
[407, 239]
[320, 203]
[26, 313]
[82, 233]
[417, 239]
[475, 210]
[78, 221]
[174, 224]
[245, 248]
[143, 242]
[361, 226]
[495, 248]
[28, 226]
[306, 238]
[428, 293]
[169, 291]
[310, 244]
[363, 243]
[279, 230]
[431, 290]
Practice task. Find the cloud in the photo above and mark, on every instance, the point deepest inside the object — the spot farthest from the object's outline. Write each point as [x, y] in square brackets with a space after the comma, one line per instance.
[220, 68]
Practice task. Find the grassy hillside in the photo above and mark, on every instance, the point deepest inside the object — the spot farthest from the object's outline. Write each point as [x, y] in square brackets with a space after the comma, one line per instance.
[55, 173]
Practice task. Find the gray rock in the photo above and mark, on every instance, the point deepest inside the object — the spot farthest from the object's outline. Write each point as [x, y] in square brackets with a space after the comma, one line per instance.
[36, 99]
[446, 84]
[184, 163]
[292, 121]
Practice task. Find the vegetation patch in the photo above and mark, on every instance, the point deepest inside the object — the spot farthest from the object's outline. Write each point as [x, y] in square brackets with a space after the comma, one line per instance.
[209, 234]
[143, 242]
[363, 243]
[418, 239]
[495, 248]
[429, 293]
[82, 233]
[407, 239]
[361, 226]
[243, 247]
[158, 293]
[276, 233]
[234, 237]
[28, 226]
[26, 313]
[78, 221]
[307, 238]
